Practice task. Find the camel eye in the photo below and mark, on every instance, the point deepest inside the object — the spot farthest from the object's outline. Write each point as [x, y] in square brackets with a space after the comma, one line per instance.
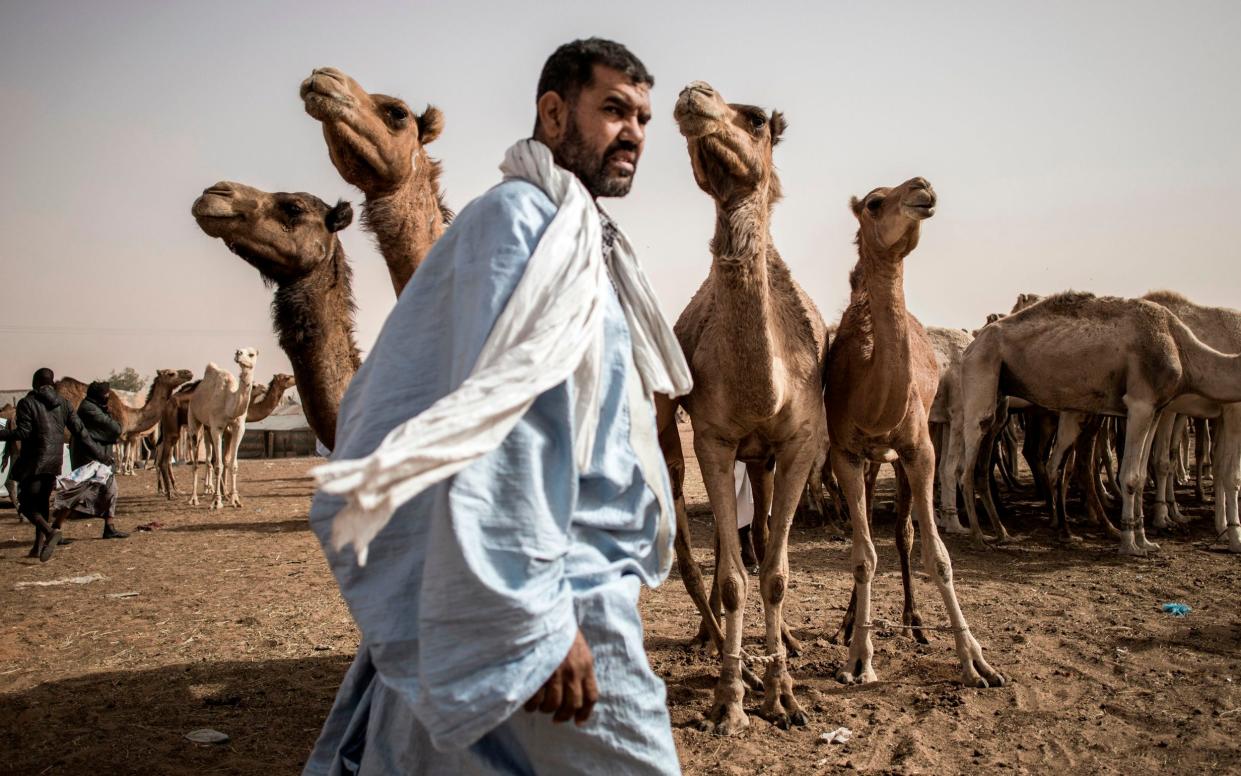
[397, 113]
[758, 120]
[874, 203]
[292, 209]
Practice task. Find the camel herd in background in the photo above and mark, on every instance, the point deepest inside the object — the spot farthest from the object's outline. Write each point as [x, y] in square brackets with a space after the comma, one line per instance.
[1090, 388]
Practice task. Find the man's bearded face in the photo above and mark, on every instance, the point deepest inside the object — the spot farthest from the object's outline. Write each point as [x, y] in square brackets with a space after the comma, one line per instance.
[605, 133]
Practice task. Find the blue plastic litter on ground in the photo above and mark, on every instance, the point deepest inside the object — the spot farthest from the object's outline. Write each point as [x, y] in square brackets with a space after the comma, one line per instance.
[1177, 610]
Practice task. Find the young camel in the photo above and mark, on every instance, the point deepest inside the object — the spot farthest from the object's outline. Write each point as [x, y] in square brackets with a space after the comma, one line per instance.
[753, 340]
[880, 380]
[219, 405]
[1080, 354]
[379, 145]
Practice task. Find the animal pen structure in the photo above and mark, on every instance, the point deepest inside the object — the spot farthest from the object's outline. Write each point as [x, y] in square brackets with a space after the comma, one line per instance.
[283, 434]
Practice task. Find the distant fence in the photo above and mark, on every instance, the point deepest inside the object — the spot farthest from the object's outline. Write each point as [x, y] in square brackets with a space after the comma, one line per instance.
[262, 443]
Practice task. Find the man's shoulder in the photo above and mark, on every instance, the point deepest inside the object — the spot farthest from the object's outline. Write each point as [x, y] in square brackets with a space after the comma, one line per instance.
[512, 200]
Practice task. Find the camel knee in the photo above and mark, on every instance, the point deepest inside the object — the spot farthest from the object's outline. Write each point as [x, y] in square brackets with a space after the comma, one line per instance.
[863, 572]
[732, 593]
[774, 587]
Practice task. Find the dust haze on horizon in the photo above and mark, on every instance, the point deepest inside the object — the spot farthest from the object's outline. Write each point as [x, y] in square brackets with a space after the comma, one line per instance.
[1088, 147]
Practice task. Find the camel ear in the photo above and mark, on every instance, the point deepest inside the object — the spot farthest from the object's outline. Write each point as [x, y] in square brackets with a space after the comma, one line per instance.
[855, 205]
[778, 125]
[339, 216]
[430, 124]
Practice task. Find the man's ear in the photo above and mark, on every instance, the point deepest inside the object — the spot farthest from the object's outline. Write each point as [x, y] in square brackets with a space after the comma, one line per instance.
[553, 113]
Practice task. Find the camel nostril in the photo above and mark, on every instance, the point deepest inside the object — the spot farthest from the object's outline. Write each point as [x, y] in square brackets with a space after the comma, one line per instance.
[919, 183]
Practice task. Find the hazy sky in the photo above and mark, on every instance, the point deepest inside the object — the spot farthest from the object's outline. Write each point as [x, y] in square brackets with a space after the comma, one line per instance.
[1087, 145]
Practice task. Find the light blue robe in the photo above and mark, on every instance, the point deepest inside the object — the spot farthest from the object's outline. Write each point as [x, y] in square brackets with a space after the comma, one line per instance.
[473, 593]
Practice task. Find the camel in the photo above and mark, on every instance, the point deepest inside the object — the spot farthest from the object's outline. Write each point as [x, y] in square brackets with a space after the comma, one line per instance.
[219, 405]
[263, 402]
[266, 399]
[11, 448]
[1080, 354]
[880, 380]
[379, 145]
[1220, 328]
[948, 345]
[291, 239]
[134, 421]
[753, 340]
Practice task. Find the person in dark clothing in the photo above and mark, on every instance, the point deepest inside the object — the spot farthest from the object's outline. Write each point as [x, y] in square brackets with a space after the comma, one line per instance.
[42, 417]
[94, 496]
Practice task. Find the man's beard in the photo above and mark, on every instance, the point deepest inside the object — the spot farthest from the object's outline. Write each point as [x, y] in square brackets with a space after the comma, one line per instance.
[574, 155]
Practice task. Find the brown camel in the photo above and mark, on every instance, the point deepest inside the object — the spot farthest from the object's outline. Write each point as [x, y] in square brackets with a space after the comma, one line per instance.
[379, 145]
[134, 421]
[1081, 354]
[291, 240]
[753, 340]
[265, 399]
[880, 379]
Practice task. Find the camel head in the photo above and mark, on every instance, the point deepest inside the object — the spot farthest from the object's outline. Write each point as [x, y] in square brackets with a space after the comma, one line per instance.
[1024, 301]
[283, 235]
[246, 357]
[890, 218]
[375, 141]
[173, 377]
[281, 382]
[730, 144]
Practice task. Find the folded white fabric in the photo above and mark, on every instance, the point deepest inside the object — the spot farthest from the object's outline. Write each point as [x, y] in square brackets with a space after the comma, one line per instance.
[550, 331]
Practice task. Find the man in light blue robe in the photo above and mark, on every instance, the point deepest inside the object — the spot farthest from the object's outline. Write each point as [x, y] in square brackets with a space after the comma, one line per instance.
[475, 592]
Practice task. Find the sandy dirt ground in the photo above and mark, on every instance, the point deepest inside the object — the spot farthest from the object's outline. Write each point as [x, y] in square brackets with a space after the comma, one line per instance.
[231, 621]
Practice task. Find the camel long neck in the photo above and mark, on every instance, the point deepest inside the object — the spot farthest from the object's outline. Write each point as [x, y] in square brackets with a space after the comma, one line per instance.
[150, 412]
[406, 222]
[266, 405]
[889, 372]
[1206, 371]
[314, 322]
[742, 252]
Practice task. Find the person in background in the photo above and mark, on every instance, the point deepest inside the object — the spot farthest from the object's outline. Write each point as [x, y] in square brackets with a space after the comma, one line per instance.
[42, 417]
[93, 496]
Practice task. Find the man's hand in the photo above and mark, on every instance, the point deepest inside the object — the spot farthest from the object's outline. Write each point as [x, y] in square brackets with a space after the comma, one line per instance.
[571, 691]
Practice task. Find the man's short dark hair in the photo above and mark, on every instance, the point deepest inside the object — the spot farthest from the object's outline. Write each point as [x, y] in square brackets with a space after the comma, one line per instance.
[42, 377]
[571, 67]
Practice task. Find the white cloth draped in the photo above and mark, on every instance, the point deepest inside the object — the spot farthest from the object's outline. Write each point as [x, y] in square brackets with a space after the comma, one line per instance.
[549, 331]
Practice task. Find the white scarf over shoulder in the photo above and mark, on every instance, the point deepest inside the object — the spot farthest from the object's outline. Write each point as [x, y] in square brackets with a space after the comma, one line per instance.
[550, 331]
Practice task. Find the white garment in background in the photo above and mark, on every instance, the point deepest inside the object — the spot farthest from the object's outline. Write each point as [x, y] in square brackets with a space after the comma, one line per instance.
[745, 496]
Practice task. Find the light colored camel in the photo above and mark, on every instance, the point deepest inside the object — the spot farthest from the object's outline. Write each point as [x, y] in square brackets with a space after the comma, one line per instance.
[219, 405]
[945, 416]
[1078, 354]
[1220, 328]
[880, 380]
[379, 145]
[753, 340]
[292, 240]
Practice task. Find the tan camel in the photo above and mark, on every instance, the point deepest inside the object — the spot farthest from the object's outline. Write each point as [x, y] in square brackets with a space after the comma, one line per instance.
[379, 145]
[219, 405]
[134, 421]
[291, 239]
[1220, 328]
[1080, 354]
[880, 382]
[948, 345]
[753, 340]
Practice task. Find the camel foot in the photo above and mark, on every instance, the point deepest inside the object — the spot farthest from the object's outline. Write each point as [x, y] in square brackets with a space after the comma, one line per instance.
[780, 707]
[857, 671]
[791, 645]
[1068, 537]
[725, 719]
[917, 633]
[976, 672]
[193, 501]
[980, 543]
[1130, 547]
[954, 528]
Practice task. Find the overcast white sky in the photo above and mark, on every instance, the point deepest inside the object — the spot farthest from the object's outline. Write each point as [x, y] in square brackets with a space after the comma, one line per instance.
[1092, 146]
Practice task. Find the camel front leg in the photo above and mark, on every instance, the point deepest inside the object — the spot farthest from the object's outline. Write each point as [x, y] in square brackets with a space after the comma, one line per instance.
[1140, 422]
[795, 459]
[975, 671]
[192, 432]
[851, 474]
[1067, 429]
[904, 549]
[1227, 461]
[716, 458]
[217, 466]
[231, 462]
